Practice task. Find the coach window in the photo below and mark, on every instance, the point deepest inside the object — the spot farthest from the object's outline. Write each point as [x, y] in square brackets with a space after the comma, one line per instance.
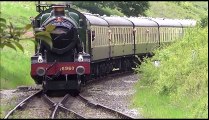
[100, 33]
[106, 36]
[136, 35]
[142, 35]
[171, 34]
[120, 36]
[97, 34]
[125, 34]
[151, 35]
[166, 35]
[177, 30]
[156, 35]
[163, 31]
[102, 36]
[174, 33]
[125, 41]
[115, 36]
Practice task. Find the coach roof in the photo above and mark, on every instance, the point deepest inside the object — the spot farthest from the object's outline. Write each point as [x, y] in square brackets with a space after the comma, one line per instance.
[144, 22]
[95, 20]
[167, 22]
[187, 22]
[118, 21]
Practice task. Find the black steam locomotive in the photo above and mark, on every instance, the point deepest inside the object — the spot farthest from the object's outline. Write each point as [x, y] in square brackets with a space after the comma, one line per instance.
[87, 45]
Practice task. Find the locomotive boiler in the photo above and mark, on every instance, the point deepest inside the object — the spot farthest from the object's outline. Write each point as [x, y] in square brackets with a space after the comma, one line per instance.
[62, 66]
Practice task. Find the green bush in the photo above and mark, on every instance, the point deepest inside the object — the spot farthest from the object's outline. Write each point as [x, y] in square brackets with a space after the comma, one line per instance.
[183, 72]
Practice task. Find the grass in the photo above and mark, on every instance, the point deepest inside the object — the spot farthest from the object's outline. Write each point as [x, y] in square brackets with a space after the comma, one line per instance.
[178, 88]
[7, 106]
[18, 12]
[15, 66]
[155, 106]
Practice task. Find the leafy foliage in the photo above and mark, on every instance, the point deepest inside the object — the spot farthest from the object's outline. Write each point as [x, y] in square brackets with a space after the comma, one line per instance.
[45, 35]
[128, 8]
[10, 35]
[204, 21]
[133, 8]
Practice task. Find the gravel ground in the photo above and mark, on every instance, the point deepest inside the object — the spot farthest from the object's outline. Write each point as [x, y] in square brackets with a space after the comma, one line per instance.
[10, 98]
[115, 93]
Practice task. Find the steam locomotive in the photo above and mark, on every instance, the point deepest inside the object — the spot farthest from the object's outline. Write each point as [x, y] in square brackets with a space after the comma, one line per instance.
[87, 45]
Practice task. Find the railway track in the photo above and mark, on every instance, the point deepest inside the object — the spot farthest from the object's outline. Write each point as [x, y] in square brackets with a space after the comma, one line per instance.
[92, 110]
[54, 107]
[22, 103]
[101, 110]
[74, 109]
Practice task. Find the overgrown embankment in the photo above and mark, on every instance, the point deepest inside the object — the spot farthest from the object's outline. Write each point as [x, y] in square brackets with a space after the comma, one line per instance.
[178, 87]
[15, 65]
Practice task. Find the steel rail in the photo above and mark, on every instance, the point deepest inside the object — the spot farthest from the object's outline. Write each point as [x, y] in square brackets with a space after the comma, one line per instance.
[60, 106]
[22, 103]
[97, 105]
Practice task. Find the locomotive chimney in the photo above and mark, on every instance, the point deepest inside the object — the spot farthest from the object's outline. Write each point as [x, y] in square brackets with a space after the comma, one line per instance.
[59, 10]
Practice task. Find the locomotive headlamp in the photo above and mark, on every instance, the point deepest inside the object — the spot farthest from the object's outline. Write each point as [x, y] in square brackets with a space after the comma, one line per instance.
[80, 70]
[40, 59]
[40, 71]
[80, 58]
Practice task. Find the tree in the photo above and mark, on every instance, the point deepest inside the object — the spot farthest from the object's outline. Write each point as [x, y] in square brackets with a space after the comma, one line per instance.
[10, 35]
[129, 8]
[133, 8]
